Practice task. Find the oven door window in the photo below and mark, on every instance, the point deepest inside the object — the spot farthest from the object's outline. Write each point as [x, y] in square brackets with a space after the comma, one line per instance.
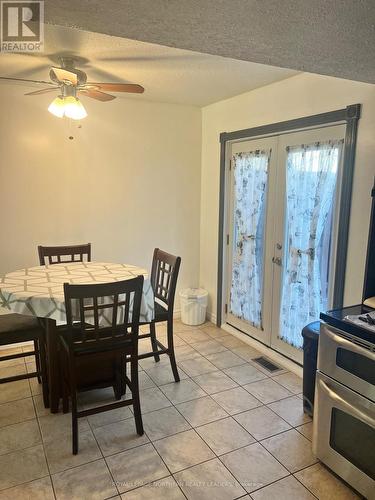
[358, 365]
[353, 440]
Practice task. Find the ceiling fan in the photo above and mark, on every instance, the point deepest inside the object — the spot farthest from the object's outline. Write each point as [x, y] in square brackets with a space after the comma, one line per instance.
[71, 83]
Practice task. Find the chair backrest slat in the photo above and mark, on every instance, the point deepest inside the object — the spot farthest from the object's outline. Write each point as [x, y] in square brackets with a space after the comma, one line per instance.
[97, 319]
[72, 253]
[127, 305]
[164, 274]
[114, 313]
[82, 318]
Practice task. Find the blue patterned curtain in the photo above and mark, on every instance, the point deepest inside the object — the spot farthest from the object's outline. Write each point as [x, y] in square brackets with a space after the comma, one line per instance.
[310, 188]
[250, 186]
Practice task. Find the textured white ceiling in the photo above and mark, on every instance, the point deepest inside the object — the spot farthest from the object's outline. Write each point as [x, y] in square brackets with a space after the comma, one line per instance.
[168, 74]
[331, 37]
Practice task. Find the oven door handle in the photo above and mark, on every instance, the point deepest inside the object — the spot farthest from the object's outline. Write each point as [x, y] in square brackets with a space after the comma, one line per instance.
[358, 413]
[350, 346]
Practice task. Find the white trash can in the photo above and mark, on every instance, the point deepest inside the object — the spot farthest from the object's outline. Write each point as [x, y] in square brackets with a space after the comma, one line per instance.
[193, 305]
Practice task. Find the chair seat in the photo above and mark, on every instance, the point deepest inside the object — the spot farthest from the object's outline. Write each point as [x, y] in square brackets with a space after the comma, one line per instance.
[17, 328]
[107, 345]
[17, 323]
[161, 314]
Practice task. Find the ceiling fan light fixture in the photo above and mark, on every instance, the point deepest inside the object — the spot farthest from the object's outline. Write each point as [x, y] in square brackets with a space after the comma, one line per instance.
[74, 109]
[57, 107]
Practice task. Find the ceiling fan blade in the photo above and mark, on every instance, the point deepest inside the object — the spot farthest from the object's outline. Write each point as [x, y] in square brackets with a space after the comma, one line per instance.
[125, 59]
[119, 87]
[31, 71]
[153, 58]
[26, 80]
[96, 94]
[65, 75]
[42, 91]
[101, 74]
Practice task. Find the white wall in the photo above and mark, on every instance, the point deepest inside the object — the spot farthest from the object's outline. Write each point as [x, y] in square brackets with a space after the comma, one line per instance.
[135, 176]
[295, 97]
[129, 181]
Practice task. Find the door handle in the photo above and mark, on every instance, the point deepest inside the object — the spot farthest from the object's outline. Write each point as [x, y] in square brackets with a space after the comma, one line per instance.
[349, 346]
[345, 404]
[277, 260]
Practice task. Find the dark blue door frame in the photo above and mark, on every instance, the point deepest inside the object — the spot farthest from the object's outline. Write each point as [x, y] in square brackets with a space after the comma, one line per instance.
[350, 116]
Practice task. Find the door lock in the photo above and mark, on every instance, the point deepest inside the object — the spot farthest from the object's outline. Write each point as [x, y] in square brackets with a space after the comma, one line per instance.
[277, 260]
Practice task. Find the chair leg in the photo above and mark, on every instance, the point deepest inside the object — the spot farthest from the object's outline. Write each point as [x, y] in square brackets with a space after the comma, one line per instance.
[74, 423]
[117, 391]
[154, 345]
[171, 354]
[135, 395]
[117, 388]
[43, 369]
[65, 395]
[37, 358]
[123, 375]
[64, 377]
[73, 393]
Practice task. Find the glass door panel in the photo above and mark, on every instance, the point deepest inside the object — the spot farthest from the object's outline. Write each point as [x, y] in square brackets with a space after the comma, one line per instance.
[281, 243]
[311, 175]
[310, 179]
[251, 171]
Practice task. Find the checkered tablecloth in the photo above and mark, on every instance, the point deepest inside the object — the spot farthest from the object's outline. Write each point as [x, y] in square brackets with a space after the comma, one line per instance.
[38, 291]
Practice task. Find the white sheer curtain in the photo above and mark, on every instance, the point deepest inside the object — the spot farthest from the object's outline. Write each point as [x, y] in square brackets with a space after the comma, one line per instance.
[310, 190]
[250, 186]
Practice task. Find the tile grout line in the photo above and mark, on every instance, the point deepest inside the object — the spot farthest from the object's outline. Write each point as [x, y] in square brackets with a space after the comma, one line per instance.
[192, 428]
[217, 369]
[268, 376]
[82, 464]
[150, 442]
[216, 456]
[170, 472]
[44, 453]
[231, 416]
[44, 450]
[216, 420]
[300, 482]
[103, 457]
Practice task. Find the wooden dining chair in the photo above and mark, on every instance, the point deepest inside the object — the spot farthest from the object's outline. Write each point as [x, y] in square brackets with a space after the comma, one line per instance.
[61, 254]
[164, 274]
[18, 328]
[93, 354]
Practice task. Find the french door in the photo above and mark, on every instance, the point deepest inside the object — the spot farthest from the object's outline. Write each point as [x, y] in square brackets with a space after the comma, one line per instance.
[282, 220]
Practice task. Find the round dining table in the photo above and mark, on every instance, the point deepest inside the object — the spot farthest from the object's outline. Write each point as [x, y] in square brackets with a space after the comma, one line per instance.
[38, 291]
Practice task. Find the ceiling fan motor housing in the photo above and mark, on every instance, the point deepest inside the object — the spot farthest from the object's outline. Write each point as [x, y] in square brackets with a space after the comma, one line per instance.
[68, 90]
[81, 76]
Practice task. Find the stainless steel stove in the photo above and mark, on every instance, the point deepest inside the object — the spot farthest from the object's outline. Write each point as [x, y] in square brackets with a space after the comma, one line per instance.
[344, 411]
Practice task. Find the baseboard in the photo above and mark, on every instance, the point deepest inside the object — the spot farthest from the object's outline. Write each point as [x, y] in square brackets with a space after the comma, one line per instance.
[281, 360]
[177, 313]
[211, 317]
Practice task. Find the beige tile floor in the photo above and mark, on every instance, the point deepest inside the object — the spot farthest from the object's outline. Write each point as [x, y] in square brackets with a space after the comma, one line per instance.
[228, 430]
